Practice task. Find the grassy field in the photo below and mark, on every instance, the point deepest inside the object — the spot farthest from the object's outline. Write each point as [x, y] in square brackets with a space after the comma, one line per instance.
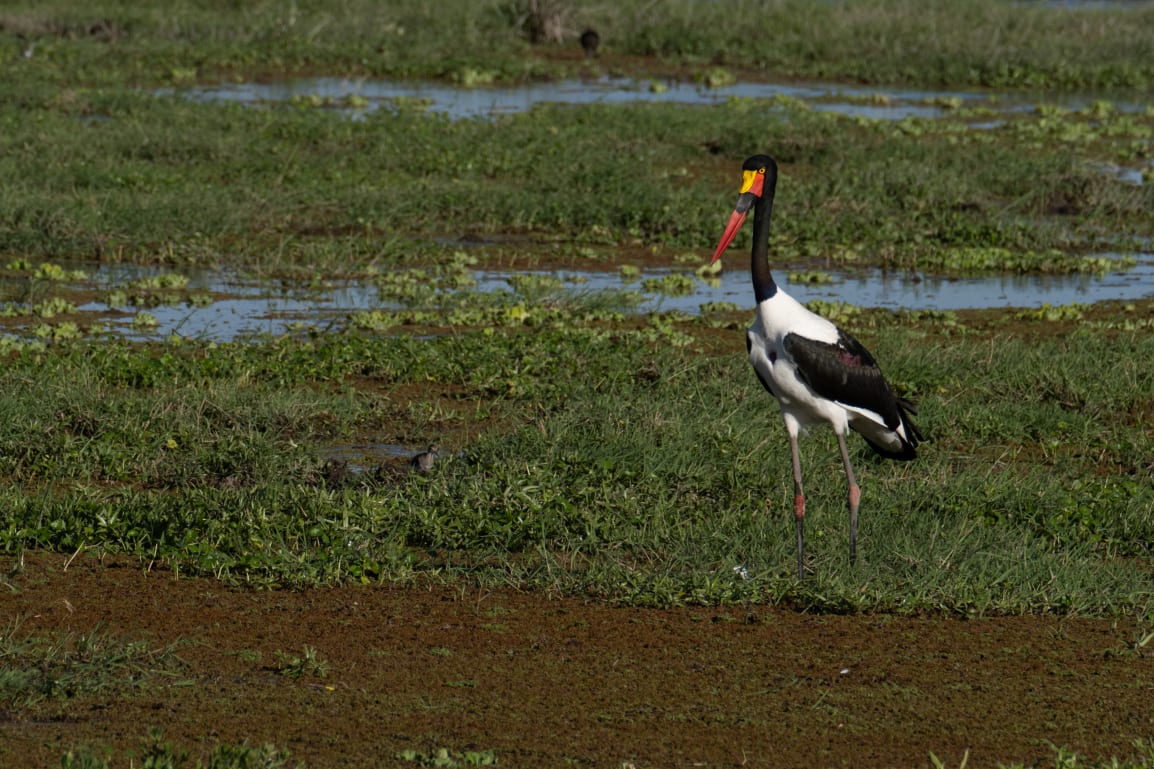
[124, 175]
[588, 451]
[973, 42]
[602, 461]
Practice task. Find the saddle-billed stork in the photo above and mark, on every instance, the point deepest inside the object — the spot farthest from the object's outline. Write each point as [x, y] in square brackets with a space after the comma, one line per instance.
[817, 372]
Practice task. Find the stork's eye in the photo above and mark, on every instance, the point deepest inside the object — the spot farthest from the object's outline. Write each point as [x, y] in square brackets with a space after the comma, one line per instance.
[761, 170]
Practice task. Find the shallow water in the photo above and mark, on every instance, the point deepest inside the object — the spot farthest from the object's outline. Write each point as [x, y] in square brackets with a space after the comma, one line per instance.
[462, 102]
[247, 310]
[364, 457]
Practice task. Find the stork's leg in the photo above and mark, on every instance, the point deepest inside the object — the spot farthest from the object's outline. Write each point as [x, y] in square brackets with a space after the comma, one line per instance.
[854, 497]
[798, 504]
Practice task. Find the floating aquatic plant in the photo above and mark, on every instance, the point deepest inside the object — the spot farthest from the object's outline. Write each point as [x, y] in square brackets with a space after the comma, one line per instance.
[710, 270]
[709, 308]
[717, 77]
[50, 308]
[534, 283]
[144, 320]
[995, 259]
[840, 313]
[812, 278]
[1048, 312]
[57, 332]
[49, 271]
[671, 285]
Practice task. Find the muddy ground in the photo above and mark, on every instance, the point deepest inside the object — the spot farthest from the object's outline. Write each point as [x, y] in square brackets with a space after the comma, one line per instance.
[551, 681]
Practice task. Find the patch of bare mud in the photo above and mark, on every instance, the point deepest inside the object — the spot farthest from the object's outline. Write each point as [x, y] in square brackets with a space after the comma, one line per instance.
[551, 681]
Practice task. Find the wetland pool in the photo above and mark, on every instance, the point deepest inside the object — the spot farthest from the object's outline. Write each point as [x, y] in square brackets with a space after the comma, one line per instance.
[241, 307]
[358, 97]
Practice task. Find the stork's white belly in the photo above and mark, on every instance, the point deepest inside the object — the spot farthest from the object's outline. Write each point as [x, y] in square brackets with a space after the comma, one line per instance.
[795, 397]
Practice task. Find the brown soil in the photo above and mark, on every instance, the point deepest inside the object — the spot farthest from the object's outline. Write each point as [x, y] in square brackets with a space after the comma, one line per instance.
[548, 681]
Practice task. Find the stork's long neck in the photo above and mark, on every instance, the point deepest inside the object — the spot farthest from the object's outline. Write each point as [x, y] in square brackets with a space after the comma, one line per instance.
[764, 286]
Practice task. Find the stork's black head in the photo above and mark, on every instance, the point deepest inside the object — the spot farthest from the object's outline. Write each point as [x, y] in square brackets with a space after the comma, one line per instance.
[758, 174]
[762, 163]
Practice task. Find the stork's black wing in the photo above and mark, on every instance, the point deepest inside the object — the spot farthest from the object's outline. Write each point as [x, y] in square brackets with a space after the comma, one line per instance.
[846, 372]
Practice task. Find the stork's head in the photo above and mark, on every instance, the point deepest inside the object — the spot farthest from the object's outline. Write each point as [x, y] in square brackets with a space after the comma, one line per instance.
[756, 172]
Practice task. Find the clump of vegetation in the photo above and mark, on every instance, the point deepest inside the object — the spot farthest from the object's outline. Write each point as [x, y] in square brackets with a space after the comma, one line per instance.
[672, 285]
[449, 758]
[811, 277]
[540, 21]
[65, 665]
[158, 753]
[308, 663]
[1003, 260]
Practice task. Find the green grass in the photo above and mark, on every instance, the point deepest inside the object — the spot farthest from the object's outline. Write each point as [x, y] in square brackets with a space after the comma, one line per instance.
[118, 176]
[602, 453]
[642, 473]
[105, 169]
[588, 452]
[975, 43]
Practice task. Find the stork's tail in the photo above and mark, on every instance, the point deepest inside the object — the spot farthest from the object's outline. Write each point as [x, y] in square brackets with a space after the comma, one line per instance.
[907, 432]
